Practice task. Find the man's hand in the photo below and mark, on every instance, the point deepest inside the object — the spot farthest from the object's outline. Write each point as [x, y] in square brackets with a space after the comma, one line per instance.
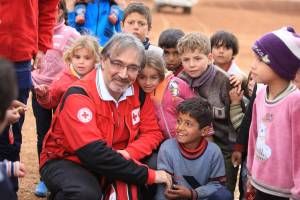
[163, 177]
[124, 153]
[178, 192]
[36, 63]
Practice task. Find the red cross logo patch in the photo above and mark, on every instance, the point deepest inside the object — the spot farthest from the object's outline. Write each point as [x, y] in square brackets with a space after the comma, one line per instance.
[85, 115]
[135, 116]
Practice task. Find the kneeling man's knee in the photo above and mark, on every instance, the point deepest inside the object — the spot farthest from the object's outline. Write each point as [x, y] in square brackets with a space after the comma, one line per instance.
[221, 194]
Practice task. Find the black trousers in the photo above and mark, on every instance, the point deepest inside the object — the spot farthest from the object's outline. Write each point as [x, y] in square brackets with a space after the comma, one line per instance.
[264, 196]
[43, 119]
[68, 180]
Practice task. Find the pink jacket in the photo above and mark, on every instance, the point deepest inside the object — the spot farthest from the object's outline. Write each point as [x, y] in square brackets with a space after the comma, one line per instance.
[57, 89]
[273, 149]
[52, 63]
[166, 97]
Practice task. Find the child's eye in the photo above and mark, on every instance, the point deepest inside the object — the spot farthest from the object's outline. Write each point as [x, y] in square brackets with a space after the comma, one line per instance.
[141, 24]
[130, 22]
[154, 78]
[178, 121]
[166, 53]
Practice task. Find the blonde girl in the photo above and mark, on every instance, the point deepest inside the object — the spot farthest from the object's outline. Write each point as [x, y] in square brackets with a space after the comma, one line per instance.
[81, 59]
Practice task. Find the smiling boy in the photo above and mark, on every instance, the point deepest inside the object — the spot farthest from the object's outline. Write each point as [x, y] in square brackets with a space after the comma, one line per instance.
[196, 164]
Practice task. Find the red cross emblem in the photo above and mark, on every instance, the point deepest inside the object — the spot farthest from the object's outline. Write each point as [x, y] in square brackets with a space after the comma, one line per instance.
[135, 116]
[85, 115]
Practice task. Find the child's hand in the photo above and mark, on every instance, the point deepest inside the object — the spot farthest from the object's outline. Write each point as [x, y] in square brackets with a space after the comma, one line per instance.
[236, 80]
[19, 106]
[178, 191]
[41, 90]
[12, 115]
[236, 95]
[21, 171]
[37, 60]
[250, 191]
[16, 103]
[236, 158]
[15, 169]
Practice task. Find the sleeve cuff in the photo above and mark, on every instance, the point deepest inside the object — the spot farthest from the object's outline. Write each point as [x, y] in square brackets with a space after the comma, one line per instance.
[238, 147]
[194, 195]
[151, 176]
[44, 48]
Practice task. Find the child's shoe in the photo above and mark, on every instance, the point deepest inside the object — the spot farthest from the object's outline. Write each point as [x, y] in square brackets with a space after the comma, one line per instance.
[41, 189]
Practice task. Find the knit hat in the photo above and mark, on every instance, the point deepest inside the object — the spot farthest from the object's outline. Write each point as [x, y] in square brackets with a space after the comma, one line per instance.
[280, 50]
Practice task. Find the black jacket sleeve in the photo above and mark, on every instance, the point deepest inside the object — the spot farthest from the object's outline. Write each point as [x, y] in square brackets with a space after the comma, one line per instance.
[104, 161]
[243, 136]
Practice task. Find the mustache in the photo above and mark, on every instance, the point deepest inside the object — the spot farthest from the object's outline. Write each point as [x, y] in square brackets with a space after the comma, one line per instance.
[123, 80]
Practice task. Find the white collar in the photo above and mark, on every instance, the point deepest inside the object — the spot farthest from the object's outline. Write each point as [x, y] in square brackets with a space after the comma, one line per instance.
[234, 69]
[103, 91]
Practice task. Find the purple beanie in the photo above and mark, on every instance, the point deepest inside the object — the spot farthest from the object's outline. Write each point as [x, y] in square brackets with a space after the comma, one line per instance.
[280, 50]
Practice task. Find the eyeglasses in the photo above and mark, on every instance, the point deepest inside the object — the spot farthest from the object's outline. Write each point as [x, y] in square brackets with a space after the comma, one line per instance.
[119, 65]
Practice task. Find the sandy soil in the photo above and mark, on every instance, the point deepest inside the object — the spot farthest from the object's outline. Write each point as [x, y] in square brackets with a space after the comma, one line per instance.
[247, 19]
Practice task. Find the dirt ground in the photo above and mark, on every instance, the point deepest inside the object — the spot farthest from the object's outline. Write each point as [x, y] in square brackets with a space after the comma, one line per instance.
[248, 19]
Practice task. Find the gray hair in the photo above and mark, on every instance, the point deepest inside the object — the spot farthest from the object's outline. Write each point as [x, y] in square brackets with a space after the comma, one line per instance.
[122, 41]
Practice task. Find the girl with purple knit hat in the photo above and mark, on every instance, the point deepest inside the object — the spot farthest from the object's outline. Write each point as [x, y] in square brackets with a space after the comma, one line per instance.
[274, 137]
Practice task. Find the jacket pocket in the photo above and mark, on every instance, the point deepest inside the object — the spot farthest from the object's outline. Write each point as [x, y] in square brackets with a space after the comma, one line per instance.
[219, 112]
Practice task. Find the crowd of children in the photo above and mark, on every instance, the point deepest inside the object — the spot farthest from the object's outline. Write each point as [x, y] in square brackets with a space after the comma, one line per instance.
[214, 120]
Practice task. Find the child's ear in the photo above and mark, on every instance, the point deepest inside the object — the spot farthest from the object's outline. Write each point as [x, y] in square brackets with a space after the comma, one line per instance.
[205, 131]
[210, 58]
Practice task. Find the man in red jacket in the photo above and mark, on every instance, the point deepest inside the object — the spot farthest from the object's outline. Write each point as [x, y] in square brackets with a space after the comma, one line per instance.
[99, 122]
[25, 32]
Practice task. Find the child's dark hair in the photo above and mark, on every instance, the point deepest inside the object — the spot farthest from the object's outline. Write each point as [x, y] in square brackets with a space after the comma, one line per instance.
[197, 108]
[8, 88]
[62, 6]
[226, 39]
[169, 38]
[140, 8]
